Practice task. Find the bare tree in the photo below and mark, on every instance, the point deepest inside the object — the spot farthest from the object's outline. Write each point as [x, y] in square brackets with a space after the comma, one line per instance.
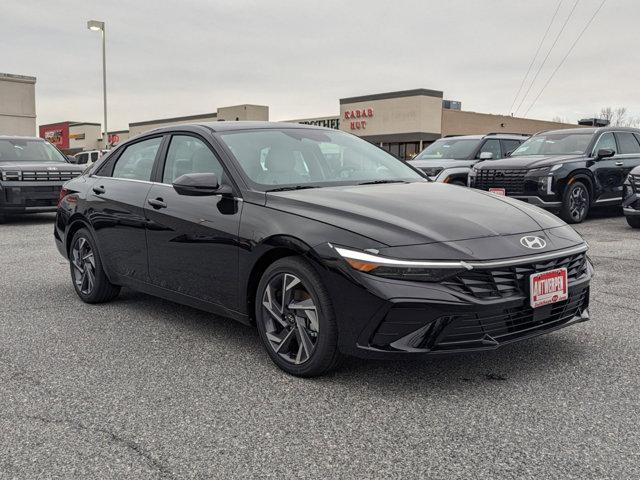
[618, 117]
[559, 119]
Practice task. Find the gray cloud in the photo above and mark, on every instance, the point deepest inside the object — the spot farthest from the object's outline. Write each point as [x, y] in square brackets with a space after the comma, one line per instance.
[168, 58]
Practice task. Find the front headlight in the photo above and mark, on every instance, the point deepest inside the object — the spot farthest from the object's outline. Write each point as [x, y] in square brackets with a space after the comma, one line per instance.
[544, 170]
[397, 269]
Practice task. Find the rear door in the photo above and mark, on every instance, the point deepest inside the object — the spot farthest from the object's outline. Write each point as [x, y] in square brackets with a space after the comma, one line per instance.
[115, 207]
[629, 152]
[193, 240]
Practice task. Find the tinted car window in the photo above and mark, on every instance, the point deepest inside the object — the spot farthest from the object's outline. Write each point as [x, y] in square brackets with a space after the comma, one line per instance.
[606, 141]
[456, 149]
[82, 158]
[509, 145]
[492, 146]
[627, 142]
[94, 156]
[136, 162]
[189, 155]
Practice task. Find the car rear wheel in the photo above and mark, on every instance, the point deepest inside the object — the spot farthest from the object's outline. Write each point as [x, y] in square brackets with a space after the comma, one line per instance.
[295, 319]
[575, 203]
[633, 222]
[88, 276]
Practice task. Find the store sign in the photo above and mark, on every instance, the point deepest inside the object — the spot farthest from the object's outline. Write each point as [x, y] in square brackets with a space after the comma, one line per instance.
[358, 118]
[57, 134]
[76, 136]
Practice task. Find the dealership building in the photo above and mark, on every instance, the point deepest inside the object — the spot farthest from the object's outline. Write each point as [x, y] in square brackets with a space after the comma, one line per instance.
[402, 122]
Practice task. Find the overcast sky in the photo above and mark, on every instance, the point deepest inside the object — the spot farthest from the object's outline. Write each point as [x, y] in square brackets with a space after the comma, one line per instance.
[173, 58]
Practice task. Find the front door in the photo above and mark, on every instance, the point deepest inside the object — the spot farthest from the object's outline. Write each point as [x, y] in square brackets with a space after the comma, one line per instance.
[115, 208]
[608, 171]
[192, 240]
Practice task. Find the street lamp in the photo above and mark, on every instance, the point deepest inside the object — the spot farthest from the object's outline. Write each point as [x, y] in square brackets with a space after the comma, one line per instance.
[95, 25]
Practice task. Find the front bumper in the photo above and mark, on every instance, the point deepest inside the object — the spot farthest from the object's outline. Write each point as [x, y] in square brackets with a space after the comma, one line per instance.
[18, 197]
[381, 318]
[631, 205]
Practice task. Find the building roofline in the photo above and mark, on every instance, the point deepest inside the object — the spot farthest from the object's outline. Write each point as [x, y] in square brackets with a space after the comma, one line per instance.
[418, 92]
[17, 78]
[75, 124]
[174, 119]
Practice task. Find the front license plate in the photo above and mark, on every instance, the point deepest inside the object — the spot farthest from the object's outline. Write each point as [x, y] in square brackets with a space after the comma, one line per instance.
[548, 287]
[498, 191]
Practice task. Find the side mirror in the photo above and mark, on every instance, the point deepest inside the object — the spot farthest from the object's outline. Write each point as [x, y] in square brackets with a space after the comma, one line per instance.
[604, 153]
[200, 185]
[508, 154]
[485, 156]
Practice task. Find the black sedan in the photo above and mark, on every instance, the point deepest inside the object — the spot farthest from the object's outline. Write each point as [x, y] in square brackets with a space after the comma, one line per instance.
[327, 243]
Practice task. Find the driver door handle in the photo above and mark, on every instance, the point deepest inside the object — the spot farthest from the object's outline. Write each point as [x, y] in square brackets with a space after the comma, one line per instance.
[98, 190]
[157, 203]
[619, 164]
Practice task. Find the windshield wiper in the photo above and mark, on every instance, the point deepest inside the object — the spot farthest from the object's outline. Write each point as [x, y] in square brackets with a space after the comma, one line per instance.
[295, 187]
[374, 182]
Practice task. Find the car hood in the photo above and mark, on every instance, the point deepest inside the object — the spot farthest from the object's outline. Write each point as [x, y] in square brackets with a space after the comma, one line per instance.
[527, 161]
[20, 166]
[441, 163]
[416, 213]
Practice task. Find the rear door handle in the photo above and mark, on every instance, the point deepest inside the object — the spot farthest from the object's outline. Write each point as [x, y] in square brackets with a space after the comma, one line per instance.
[157, 203]
[619, 164]
[99, 190]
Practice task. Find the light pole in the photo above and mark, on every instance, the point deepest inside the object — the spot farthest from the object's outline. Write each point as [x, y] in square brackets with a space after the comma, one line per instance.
[96, 25]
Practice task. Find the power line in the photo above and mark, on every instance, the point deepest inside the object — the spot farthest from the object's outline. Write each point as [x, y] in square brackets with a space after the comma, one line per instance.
[565, 57]
[544, 37]
[566, 20]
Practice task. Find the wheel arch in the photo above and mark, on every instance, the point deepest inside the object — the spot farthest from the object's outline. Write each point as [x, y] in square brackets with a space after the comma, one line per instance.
[587, 178]
[274, 248]
[75, 224]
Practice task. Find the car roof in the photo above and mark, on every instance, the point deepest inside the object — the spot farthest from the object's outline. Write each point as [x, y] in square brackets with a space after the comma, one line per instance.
[592, 130]
[20, 137]
[508, 136]
[227, 126]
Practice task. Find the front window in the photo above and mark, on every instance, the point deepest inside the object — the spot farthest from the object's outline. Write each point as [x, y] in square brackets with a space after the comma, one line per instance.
[558, 143]
[292, 157]
[27, 150]
[449, 148]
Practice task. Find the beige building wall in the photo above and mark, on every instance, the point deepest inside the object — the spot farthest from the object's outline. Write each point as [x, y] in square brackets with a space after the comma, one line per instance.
[460, 122]
[142, 127]
[391, 116]
[17, 105]
[244, 112]
[87, 136]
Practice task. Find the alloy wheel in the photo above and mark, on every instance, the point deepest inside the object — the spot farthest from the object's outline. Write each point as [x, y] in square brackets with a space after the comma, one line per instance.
[578, 202]
[290, 318]
[84, 266]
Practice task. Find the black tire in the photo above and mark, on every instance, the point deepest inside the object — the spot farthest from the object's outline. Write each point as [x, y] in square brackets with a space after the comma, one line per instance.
[634, 222]
[324, 355]
[99, 290]
[576, 202]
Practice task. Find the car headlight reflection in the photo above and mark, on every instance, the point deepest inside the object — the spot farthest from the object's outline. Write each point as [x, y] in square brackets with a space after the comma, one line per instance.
[410, 270]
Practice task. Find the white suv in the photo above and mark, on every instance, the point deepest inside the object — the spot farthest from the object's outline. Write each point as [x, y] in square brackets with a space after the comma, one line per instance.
[89, 157]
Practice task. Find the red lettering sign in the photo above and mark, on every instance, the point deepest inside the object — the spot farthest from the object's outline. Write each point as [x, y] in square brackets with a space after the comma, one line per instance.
[358, 113]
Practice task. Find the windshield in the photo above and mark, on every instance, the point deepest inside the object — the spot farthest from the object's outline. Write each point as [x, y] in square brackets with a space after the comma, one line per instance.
[449, 148]
[555, 144]
[312, 158]
[27, 150]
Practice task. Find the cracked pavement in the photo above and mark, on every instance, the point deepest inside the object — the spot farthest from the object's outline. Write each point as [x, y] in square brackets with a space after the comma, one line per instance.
[144, 388]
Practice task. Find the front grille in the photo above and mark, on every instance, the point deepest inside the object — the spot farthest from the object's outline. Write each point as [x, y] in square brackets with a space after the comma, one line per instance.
[48, 176]
[513, 280]
[511, 180]
[432, 171]
[475, 331]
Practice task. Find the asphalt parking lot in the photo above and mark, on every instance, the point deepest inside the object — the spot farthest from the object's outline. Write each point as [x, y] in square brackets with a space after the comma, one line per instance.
[145, 388]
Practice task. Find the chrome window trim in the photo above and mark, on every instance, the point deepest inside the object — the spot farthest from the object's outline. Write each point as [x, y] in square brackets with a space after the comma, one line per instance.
[367, 257]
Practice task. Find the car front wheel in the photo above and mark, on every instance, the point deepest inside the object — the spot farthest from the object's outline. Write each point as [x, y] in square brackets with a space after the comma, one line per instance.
[633, 222]
[575, 203]
[89, 279]
[295, 319]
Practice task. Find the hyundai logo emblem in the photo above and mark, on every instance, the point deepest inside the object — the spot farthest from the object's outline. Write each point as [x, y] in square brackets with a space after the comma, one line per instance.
[52, 168]
[535, 243]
